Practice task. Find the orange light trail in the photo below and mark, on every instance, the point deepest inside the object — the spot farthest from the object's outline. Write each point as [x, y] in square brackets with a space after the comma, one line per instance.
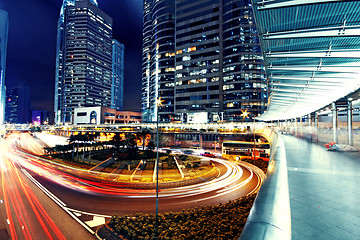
[27, 218]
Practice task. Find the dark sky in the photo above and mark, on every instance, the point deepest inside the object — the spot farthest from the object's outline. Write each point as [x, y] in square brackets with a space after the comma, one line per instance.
[32, 47]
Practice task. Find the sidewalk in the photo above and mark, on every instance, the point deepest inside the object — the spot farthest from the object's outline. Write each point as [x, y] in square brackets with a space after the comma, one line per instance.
[324, 191]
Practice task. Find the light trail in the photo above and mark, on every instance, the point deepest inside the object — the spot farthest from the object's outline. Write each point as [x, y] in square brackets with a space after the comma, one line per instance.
[87, 182]
[26, 216]
[233, 180]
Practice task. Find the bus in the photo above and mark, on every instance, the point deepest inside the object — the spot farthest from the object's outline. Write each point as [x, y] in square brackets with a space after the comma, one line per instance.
[237, 150]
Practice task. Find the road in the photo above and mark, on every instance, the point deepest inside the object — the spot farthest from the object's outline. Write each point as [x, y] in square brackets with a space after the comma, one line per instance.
[86, 198]
[26, 212]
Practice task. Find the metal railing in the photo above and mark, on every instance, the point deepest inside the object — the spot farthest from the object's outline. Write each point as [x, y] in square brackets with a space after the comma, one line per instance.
[270, 216]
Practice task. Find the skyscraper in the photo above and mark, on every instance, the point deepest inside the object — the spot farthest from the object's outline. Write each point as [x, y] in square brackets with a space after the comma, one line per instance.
[203, 58]
[4, 29]
[83, 59]
[17, 107]
[117, 87]
[158, 68]
[244, 81]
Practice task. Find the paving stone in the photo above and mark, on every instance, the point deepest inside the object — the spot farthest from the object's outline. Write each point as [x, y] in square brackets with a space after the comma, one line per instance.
[323, 190]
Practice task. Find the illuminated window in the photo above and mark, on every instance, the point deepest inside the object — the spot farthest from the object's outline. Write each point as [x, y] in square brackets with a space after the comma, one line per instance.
[190, 49]
[230, 105]
[186, 58]
[169, 69]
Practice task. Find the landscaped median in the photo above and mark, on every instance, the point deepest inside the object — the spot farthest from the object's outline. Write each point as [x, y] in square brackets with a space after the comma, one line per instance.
[222, 221]
[170, 176]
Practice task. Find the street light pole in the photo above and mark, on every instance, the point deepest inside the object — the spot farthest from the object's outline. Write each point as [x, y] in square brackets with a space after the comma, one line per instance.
[254, 140]
[157, 171]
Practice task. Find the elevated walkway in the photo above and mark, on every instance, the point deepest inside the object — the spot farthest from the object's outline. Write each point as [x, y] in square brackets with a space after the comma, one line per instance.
[324, 191]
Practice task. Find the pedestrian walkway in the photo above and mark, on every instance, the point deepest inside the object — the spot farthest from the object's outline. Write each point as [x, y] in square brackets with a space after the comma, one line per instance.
[324, 191]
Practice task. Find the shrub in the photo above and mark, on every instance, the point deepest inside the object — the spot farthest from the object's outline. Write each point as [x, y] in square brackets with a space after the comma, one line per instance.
[222, 221]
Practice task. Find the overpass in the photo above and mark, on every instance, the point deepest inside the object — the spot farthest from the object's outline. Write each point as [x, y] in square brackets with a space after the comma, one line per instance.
[311, 51]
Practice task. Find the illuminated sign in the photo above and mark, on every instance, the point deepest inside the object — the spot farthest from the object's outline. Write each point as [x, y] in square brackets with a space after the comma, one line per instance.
[200, 117]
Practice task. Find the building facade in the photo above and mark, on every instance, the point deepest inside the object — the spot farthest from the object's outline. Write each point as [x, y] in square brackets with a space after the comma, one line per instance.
[104, 115]
[117, 86]
[4, 29]
[17, 106]
[158, 67]
[203, 60]
[40, 117]
[84, 59]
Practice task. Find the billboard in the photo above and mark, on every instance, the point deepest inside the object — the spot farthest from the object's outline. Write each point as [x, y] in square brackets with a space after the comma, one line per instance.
[199, 117]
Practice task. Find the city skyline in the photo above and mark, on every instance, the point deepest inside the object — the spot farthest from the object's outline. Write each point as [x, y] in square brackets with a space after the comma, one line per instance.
[32, 47]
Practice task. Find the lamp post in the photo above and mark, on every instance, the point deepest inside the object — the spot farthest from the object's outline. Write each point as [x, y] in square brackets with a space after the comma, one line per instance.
[158, 103]
[254, 140]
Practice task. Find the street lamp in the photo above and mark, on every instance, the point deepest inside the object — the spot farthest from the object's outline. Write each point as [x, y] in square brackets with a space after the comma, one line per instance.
[158, 103]
[244, 114]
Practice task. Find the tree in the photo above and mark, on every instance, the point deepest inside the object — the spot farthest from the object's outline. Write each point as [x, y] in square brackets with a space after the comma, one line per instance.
[143, 135]
[49, 150]
[131, 144]
[62, 149]
[35, 129]
[151, 145]
[76, 139]
[117, 141]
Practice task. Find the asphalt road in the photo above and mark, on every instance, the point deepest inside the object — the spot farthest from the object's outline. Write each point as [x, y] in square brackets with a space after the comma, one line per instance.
[26, 212]
[67, 196]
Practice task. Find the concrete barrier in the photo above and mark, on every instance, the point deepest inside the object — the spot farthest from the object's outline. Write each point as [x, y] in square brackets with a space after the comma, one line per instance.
[270, 216]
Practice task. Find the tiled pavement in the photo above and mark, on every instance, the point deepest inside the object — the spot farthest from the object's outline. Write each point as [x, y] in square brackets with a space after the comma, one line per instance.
[324, 189]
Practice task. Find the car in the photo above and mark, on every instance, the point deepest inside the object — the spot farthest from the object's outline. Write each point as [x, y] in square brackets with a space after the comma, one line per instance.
[208, 154]
[176, 151]
[188, 151]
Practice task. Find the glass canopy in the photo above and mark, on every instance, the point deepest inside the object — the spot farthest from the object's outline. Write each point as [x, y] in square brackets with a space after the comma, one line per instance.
[311, 51]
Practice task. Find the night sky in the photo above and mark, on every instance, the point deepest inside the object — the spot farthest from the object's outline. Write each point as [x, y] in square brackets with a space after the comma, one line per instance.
[32, 47]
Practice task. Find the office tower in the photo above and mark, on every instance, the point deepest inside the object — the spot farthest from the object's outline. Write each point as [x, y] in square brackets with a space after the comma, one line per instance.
[84, 59]
[198, 79]
[158, 60]
[40, 117]
[117, 86]
[4, 29]
[214, 66]
[244, 80]
[17, 107]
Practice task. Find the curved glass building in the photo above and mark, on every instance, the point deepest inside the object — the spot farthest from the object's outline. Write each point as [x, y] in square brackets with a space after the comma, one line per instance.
[244, 81]
[158, 60]
[202, 58]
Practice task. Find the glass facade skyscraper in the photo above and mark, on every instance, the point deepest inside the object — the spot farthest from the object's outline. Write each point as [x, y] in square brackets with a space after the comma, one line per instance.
[117, 86]
[244, 81]
[203, 59]
[84, 59]
[17, 105]
[4, 29]
[198, 60]
[158, 60]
